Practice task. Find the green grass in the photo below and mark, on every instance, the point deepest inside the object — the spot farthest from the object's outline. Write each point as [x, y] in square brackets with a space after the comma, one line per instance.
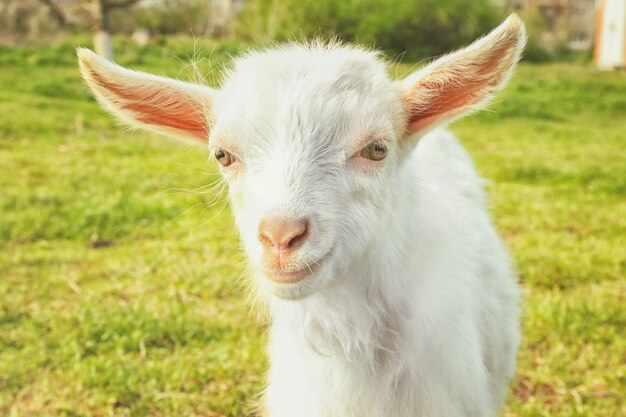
[120, 288]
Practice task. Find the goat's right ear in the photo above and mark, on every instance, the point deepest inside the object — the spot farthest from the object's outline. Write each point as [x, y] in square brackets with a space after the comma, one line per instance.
[159, 104]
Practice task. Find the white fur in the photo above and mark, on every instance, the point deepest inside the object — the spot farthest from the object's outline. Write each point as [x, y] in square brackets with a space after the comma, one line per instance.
[413, 308]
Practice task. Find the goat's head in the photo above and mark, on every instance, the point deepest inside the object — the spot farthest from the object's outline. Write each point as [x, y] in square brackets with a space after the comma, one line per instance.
[310, 139]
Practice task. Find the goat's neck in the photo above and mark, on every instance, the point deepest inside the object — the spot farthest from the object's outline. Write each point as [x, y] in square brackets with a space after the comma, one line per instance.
[360, 317]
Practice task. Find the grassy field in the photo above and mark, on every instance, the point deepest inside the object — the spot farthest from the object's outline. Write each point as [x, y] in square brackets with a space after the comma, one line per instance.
[120, 270]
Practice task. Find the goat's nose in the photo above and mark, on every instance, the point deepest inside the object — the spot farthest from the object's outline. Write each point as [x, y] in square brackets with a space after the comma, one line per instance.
[283, 235]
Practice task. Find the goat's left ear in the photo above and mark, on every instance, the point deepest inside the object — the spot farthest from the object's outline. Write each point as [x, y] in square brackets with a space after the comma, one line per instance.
[162, 105]
[463, 81]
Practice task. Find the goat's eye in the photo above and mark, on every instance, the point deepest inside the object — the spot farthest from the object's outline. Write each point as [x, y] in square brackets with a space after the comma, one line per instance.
[376, 151]
[225, 158]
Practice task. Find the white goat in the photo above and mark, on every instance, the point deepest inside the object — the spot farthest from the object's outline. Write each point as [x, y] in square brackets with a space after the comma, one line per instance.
[390, 292]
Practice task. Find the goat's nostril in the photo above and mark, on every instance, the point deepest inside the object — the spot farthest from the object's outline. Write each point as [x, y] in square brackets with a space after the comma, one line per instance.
[283, 235]
[298, 237]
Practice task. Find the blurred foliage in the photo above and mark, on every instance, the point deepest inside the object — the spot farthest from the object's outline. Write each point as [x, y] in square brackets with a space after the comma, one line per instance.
[421, 28]
[21, 19]
[176, 16]
[534, 50]
[413, 29]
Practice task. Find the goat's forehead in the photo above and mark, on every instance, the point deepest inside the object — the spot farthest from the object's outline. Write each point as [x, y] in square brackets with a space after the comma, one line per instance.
[297, 71]
[319, 89]
[314, 63]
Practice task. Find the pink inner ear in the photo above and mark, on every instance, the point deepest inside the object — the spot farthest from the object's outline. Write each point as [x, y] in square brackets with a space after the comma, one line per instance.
[451, 90]
[157, 105]
[445, 103]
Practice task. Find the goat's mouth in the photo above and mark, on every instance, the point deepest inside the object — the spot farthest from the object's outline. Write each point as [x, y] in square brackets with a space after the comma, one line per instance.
[290, 277]
[297, 281]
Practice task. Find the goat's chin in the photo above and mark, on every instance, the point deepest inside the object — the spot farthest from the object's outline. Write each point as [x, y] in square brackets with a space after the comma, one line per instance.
[295, 290]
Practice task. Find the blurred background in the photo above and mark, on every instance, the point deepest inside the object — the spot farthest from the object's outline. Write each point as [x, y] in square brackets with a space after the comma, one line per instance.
[120, 269]
[415, 29]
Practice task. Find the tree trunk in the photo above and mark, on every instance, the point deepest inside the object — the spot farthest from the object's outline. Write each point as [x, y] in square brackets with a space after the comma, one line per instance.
[103, 44]
[102, 40]
[100, 10]
[223, 10]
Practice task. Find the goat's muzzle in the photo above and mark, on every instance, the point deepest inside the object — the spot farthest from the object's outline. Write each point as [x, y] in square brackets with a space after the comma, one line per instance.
[281, 238]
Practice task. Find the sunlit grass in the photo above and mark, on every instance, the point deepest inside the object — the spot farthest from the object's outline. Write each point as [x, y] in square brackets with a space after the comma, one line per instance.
[120, 289]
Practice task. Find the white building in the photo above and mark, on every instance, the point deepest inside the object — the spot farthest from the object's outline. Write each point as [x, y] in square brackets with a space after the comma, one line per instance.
[610, 45]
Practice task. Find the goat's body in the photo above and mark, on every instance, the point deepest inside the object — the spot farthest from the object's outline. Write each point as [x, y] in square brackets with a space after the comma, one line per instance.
[390, 291]
[426, 322]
